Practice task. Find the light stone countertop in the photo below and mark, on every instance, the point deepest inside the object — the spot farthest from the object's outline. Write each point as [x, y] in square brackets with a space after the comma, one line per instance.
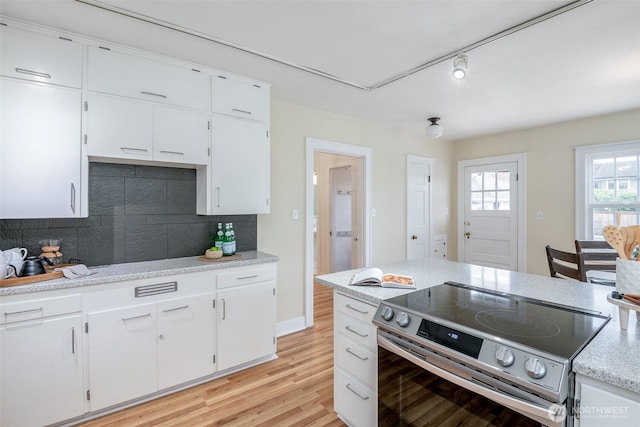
[613, 356]
[139, 270]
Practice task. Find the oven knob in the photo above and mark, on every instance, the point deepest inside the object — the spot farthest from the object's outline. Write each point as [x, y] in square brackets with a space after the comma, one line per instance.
[535, 368]
[403, 319]
[504, 356]
[387, 313]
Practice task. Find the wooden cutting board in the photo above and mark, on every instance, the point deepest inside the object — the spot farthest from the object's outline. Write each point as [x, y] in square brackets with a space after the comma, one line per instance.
[49, 275]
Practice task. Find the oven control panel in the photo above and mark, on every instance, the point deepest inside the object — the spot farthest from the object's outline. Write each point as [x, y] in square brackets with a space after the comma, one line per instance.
[497, 357]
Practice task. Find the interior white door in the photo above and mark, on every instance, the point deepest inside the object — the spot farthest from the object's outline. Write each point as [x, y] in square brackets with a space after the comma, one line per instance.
[341, 204]
[491, 215]
[418, 206]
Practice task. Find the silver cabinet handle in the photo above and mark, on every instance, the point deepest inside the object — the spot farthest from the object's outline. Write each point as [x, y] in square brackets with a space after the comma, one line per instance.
[134, 149]
[176, 309]
[33, 73]
[348, 328]
[356, 393]
[73, 198]
[159, 95]
[349, 306]
[348, 350]
[248, 277]
[13, 313]
[241, 111]
[172, 152]
[218, 197]
[224, 309]
[124, 319]
[73, 340]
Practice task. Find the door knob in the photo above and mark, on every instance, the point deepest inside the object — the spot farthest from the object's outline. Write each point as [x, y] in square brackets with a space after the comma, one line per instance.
[467, 234]
[414, 237]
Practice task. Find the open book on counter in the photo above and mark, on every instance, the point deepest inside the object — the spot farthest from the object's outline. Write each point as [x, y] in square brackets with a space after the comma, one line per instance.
[375, 277]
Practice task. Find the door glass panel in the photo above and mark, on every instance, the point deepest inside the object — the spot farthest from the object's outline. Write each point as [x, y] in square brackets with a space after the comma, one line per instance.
[490, 191]
[476, 182]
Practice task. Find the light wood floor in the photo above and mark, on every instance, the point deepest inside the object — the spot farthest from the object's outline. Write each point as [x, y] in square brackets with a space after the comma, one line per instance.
[294, 390]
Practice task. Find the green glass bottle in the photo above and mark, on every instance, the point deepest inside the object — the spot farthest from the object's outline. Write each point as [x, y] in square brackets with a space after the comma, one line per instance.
[232, 238]
[219, 236]
[226, 241]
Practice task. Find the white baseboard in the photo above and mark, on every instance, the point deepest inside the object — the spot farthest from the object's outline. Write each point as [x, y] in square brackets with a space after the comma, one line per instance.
[290, 326]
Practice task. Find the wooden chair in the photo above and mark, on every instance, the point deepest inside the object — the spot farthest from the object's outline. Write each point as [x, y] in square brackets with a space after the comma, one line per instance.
[596, 255]
[565, 264]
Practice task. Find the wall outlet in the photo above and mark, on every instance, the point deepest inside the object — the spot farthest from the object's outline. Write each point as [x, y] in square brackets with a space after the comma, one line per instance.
[539, 215]
[295, 214]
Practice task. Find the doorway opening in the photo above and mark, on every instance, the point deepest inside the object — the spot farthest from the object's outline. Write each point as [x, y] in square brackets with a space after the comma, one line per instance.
[338, 202]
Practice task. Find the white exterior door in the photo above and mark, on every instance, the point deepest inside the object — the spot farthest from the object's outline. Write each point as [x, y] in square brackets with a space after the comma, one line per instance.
[418, 206]
[491, 202]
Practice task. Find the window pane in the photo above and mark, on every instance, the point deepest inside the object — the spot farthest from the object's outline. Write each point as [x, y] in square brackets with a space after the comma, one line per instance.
[476, 200]
[476, 181]
[504, 200]
[602, 217]
[489, 201]
[627, 216]
[489, 181]
[603, 168]
[504, 178]
[626, 167]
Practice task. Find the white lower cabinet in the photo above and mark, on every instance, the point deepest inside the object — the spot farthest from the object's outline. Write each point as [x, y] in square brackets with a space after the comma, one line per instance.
[246, 315]
[41, 379]
[599, 404]
[149, 335]
[355, 361]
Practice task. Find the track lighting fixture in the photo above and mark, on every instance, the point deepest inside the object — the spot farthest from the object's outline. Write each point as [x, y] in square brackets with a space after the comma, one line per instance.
[460, 67]
[434, 130]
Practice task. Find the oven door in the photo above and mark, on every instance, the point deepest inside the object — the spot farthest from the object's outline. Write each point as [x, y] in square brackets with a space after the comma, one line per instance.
[415, 392]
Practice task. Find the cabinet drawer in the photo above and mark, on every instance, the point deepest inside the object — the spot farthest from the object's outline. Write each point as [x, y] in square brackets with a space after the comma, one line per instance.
[46, 59]
[354, 401]
[245, 276]
[359, 361]
[353, 307]
[137, 77]
[241, 98]
[359, 332]
[39, 308]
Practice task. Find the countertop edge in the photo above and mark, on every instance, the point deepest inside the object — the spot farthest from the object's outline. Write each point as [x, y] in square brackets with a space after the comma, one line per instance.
[139, 270]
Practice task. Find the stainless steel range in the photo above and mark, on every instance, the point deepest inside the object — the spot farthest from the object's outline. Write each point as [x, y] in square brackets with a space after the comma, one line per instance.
[481, 348]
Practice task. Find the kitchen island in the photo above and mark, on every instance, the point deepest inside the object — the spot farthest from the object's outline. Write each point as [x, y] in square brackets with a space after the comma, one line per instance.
[601, 360]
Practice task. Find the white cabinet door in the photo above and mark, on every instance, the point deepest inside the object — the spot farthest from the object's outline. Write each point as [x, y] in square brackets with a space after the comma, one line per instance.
[40, 151]
[142, 78]
[180, 135]
[41, 371]
[241, 98]
[602, 404]
[240, 166]
[119, 128]
[123, 358]
[246, 324]
[46, 59]
[186, 339]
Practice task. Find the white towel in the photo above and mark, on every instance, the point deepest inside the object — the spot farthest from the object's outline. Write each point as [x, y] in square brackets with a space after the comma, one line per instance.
[75, 271]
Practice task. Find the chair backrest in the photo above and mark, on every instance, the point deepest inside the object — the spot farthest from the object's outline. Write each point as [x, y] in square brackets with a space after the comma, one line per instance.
[596, 255]
[565, 264]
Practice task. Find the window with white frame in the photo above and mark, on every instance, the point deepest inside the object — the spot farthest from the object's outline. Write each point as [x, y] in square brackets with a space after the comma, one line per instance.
[607, 183]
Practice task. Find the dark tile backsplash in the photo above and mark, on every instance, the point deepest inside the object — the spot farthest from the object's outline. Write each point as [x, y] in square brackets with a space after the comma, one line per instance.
[136, 213]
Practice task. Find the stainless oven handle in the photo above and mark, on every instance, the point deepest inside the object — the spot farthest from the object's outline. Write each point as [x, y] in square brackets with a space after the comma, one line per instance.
[538, 413]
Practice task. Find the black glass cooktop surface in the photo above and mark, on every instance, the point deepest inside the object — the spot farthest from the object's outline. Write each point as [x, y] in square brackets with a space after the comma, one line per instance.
[541, 326]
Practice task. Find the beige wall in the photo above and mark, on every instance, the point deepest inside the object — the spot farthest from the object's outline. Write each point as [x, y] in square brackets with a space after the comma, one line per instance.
[280, 235]
[550, 175]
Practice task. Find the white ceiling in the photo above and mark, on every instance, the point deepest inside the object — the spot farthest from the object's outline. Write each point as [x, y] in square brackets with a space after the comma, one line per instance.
[582, 63]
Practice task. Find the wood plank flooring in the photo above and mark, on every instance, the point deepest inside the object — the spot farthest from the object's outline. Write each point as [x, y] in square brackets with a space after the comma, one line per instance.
[294, 390]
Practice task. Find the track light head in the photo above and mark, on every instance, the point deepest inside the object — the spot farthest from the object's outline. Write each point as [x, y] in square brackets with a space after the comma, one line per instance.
[459, 67]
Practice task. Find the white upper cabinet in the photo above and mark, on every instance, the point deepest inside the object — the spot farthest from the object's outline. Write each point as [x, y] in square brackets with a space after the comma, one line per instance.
[40, 150]
[41, 58]
[239, 97]
[141, 78]
[122, 128]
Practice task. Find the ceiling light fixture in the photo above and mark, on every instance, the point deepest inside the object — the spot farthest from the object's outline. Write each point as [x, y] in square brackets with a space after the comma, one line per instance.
[434, 130]
[459, 67]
